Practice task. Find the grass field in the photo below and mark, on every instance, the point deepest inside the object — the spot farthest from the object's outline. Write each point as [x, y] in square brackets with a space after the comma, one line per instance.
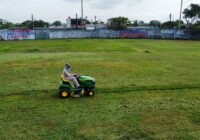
[146, 90]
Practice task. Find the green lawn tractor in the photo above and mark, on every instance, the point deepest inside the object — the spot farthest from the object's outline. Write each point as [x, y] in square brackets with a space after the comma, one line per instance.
[87, 87]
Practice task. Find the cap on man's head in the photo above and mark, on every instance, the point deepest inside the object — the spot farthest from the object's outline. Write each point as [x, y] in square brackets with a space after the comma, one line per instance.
[67, 66]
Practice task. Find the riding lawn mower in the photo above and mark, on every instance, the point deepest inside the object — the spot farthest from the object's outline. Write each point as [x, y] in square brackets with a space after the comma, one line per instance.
[87, 87]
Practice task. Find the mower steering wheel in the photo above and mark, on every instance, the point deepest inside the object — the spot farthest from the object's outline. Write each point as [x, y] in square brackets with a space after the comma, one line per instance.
[77, 75]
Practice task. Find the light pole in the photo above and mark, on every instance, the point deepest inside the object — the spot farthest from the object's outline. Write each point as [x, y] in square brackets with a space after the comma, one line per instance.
[180, 14]
[82, 13]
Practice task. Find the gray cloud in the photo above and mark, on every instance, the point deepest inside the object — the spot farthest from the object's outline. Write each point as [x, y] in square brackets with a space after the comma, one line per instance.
[106, 4]
[51, 10]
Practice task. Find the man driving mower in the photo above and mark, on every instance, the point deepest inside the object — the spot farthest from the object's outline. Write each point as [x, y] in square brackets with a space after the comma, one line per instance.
[72, 77]
[76, 85]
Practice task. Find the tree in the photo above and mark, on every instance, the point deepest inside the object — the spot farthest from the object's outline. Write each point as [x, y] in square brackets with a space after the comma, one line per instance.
[26, 24]
[141, 23]
[7, 25]
[176, 24]
[155, 23]
[41, 24]
[196, 26]
[118, 23]
[135, 23]
[86, 21]
[168, 25]
[37, 24]
[172, 24]
[57, 23]
[1, 23]
[129, 23]
[192, 14]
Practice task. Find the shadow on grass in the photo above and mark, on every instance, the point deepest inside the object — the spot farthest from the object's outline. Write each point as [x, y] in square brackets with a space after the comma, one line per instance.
[127, 89]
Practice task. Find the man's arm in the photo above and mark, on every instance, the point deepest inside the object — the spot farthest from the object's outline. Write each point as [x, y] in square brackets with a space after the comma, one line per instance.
[66, 73]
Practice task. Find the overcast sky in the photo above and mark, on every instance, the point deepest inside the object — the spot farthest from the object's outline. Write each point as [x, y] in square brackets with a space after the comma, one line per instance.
[51, 10]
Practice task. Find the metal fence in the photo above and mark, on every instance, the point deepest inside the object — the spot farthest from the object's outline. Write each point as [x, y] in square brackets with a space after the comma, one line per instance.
[64, 34]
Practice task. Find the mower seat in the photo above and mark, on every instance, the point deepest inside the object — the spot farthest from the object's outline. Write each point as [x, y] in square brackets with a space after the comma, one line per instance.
[66, 81]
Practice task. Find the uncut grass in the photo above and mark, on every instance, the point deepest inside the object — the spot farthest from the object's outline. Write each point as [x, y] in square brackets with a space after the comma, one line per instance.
[130, 70]
[150, 90]
[97, 45]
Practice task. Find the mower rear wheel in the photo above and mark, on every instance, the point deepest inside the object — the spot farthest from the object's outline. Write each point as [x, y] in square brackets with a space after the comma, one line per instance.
[64, 93]
[90, 93]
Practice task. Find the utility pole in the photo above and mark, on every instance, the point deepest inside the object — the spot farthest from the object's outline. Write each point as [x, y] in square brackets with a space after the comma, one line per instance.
[76, 21]
[180, 14]
[82, 13]
[95, 20]
[32, 19]
[170, 17]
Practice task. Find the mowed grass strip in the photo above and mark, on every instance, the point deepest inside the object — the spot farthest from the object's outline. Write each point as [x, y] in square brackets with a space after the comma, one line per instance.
[147, 89]
[135, 115]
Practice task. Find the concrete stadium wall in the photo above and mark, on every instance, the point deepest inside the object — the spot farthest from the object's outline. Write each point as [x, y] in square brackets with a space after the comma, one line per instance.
[61, 34]
[108, 34]
[135, 33]
[64, 34]
[3, 35]
[195, 35]
[42, 34]
[25, 34]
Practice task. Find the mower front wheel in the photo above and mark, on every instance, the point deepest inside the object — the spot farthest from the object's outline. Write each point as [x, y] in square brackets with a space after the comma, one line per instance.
[64, 93]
